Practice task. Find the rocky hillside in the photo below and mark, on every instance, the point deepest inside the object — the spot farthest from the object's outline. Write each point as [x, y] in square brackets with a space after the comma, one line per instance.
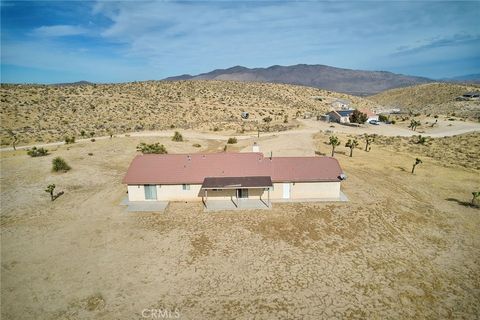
[355, 82]
[49, 113]
[432, 98]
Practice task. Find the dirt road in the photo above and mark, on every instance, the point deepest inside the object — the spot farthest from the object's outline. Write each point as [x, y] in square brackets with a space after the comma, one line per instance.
[442, 129]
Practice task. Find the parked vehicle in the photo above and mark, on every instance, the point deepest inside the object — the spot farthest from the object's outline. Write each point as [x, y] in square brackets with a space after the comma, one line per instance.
[374, 122]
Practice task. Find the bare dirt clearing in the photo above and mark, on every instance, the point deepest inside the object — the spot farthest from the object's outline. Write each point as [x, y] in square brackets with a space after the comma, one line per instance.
[405, 246]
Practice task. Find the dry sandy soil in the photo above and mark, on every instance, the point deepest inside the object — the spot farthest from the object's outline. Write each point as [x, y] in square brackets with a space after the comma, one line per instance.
[50, 113]
[431, 99]
[404, 246]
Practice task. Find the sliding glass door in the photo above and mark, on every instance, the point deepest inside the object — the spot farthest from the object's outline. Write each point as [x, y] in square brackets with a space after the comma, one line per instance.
[150, 192]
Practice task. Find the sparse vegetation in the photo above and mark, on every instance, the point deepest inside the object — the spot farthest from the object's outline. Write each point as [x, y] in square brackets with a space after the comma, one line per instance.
[156, 148]
[369, 139]
[50, 190]
[358, 117]
[417, 162]
[475, 198]
[59, 164]
[177, 137]
[69, 140]
[197, 145]
[232, 140]
[334, 142]
[352, 144]
[414, 124]
[37, 152]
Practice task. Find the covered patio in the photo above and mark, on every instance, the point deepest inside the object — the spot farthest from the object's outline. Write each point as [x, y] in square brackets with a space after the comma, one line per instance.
[227, 193]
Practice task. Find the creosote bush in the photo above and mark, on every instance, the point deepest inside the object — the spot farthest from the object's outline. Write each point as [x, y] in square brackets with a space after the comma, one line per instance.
[69, 140]
[155, 148]
[232, 140]
[177, 137]
[40, 152]
[59, 164]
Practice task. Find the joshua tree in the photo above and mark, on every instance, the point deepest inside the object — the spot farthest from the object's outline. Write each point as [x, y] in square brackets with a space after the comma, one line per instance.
[334, 142]
[351, 144]
[475, 195]
[368, 140]
[50, 189]
[14, 137]
[414, 124]
[417, 162]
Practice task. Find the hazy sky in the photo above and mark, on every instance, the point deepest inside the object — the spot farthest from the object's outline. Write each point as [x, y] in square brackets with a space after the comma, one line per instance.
[116, 41]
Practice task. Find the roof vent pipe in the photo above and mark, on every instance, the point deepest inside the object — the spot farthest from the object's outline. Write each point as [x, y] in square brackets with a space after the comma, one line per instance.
[256, 147]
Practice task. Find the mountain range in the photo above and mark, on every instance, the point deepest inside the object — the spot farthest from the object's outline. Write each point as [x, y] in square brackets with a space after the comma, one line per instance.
[354, 82]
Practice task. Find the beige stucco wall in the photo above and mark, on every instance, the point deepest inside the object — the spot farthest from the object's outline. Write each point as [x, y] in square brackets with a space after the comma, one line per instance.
[303, 190]
[314, 190]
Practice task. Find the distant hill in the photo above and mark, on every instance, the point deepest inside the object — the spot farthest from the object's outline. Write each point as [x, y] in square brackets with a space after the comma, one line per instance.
[45, 113]
[468, 78]
[78, 83]
[354, 82]
[433, 98]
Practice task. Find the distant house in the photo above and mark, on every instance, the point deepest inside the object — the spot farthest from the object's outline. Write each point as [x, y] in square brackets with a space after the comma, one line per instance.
[340, 116]
[471, 95]
[232, 176]
[370, 114]
[340, 104]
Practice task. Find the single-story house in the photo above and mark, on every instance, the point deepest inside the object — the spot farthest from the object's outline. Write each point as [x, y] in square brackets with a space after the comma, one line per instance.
[231, 176]
[340, 104]
[340, 116]
[370, 114]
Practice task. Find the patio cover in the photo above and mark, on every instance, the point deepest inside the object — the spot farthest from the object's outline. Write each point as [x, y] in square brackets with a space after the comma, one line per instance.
[237, 182]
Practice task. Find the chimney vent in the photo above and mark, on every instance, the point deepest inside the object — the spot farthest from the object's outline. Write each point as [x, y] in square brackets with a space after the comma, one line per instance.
[256, 147]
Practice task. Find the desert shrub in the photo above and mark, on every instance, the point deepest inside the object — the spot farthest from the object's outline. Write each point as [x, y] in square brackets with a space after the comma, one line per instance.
[69, 140]
[358, 117]
[197, 145]
[267, 119]
[177, 137]
[393, 122]
[82, 133]
[215, 129]
[59, 164]
[232, 140]
[40, 152]
[93, 139]
[382, 118]
[155, 148]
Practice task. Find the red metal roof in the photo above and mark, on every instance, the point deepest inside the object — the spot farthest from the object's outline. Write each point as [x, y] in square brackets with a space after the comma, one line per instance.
[194, 168]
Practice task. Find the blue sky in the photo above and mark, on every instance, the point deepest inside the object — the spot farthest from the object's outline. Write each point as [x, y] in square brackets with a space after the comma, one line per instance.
[118, 41]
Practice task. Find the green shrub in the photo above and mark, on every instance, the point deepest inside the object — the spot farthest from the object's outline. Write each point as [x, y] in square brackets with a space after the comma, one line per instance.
[197, 145]
[177, 137]
[232, 140]
[382, 118]
[69, 140]
[58, 164]
[155, 148]
[40, 152]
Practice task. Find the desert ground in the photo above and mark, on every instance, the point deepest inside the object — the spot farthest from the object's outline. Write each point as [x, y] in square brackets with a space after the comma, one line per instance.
[404, 246]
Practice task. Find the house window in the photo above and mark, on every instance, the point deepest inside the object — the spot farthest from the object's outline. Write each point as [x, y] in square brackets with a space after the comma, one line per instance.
[150, 192]
[185, 186]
